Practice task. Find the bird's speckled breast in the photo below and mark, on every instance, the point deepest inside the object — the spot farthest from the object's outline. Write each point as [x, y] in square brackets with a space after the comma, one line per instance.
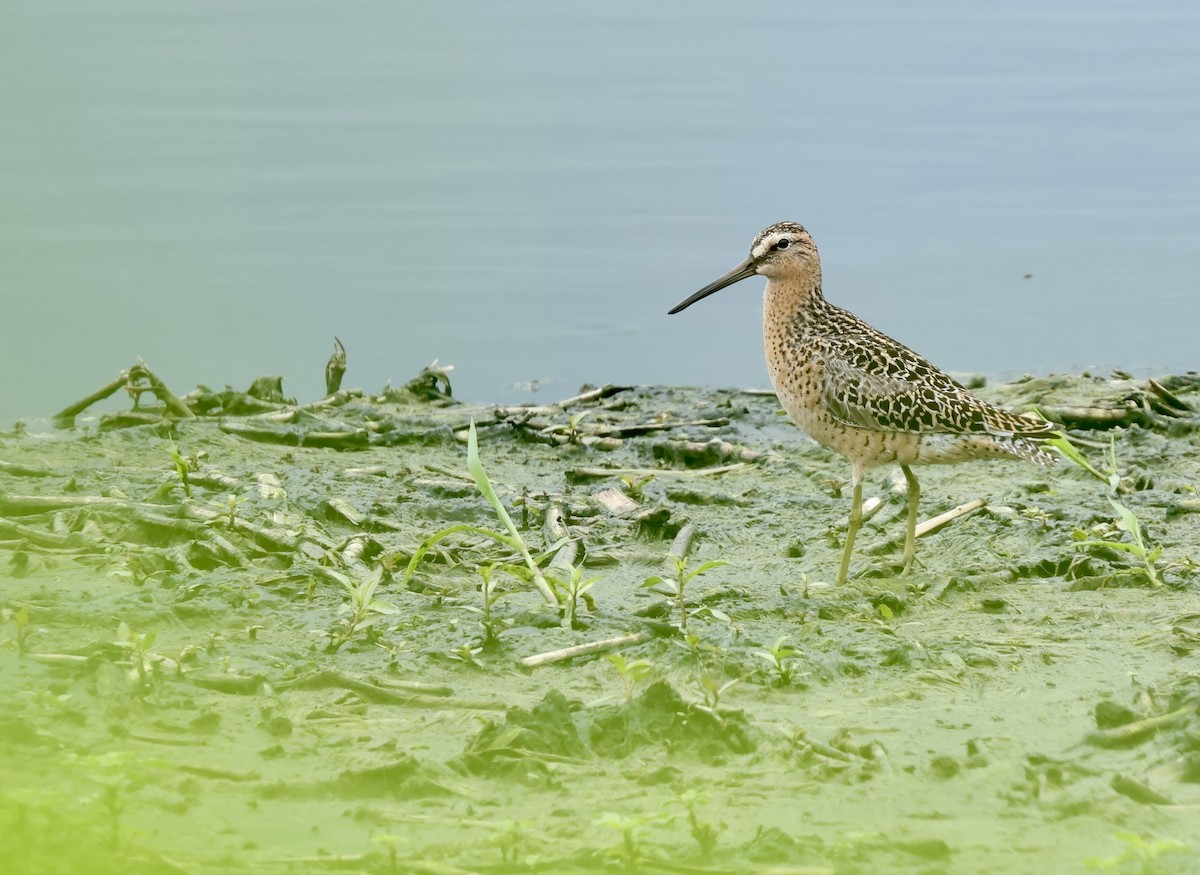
[798, 383]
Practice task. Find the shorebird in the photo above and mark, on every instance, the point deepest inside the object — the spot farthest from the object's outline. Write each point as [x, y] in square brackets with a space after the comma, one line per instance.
[859, 392]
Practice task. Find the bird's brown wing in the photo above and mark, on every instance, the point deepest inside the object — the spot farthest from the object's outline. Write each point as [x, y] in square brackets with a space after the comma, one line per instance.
[894, 389]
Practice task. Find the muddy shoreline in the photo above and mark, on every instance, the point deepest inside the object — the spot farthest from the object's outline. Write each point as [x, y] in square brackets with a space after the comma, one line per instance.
[218, 653]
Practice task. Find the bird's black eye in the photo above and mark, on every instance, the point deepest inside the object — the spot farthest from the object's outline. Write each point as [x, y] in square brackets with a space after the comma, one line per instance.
[783, 244]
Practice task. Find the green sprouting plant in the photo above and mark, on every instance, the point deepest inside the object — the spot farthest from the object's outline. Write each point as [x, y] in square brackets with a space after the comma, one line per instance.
[1126, 519]
[576, 588]
[1140, 857]
[511, 537]
[704, 832]
[20, 619]
[144, 663]
[632, 672]
[713, 689]
[492, 625]
[117, 773]
[233, 505]
[182, 468]
[361, 610]
[466, 654]
[633, 828]
[512, 837]
[674, 587]
[1127, 522]
[392, 843]
[634, 486]
[574, 434]
[782, 658]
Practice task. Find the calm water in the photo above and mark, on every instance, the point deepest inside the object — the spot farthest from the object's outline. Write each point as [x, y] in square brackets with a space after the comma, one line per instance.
[523, 189]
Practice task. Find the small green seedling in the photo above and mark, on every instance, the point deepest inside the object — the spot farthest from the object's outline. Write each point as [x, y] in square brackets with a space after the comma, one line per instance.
[1141, 856]
[574, 434]
[512, 837]
[576, 588]
[182, 469]
[633, 829]
[492, 625]
[632, 672]
[361, 610]
[1126, 520]
[712, 689]
[392, 843]
[144, 663]
[466, 654]
[20, 619]
[635, 486]
[782, 658]
[704, 832]
[674, 588]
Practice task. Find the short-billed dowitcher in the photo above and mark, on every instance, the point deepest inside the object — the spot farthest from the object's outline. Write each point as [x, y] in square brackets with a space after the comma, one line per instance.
[857, 391]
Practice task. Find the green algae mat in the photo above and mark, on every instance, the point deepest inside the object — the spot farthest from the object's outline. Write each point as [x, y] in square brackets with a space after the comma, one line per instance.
[243, 635]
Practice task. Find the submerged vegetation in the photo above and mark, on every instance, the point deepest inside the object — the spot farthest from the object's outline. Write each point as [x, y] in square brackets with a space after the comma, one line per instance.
[239, 633]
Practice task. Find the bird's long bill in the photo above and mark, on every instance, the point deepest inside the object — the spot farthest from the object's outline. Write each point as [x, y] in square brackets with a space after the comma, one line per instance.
[743, 270]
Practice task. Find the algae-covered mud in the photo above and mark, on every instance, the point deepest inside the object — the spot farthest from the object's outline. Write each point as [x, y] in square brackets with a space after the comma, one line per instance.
[270, 638]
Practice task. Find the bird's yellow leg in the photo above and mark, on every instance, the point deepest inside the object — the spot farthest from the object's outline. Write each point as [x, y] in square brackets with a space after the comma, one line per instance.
[851, 528]
[910, 531]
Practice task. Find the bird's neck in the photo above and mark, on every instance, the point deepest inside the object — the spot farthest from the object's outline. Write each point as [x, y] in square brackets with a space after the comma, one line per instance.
[789, 297]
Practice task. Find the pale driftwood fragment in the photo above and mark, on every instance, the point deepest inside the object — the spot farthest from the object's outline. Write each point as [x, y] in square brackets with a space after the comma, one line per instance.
[382, 695]
[132, 379]
[23, 534]
[554, 529]
[337, 399]
[870, 507]
[1122, 735]
[58, 658]
[369, 471]
[593, 395]
[1175, 406]
[296, 436]
[583, 649]
[520, 412]
[212, 479]
[615, 501]
[352, 553]
[26, 505]
[937, 522]
[718, 447]
[585, 472]
[16, 470]
[346, 511]
[279, 542]
[636, 429]
[683, 542]
[180, 518]
[65, 418]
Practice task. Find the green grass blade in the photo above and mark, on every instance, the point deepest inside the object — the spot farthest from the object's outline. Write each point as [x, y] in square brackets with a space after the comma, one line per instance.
[429, 542]
[475, 466]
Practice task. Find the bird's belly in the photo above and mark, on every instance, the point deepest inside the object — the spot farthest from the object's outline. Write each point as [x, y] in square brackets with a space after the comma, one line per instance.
[864, 447]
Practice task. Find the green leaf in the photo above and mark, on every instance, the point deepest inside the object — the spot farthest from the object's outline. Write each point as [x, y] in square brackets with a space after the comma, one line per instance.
[1063, 444]
[715, 563]
[1127, 521]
